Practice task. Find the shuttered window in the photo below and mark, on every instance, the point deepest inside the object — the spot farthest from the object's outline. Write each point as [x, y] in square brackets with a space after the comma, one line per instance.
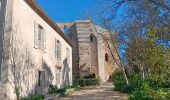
[58, 49]
[40, 40]
[35, 35]
[68, 55]
[44, 41]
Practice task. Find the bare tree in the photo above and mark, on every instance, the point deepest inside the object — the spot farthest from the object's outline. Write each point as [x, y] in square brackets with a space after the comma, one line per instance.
[110, 41]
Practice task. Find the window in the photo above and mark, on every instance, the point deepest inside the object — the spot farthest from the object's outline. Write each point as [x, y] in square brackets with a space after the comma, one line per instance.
[40, 37]
[57, 49]
[106, 57]
[41, 78]
[68, 55]
[91, 39]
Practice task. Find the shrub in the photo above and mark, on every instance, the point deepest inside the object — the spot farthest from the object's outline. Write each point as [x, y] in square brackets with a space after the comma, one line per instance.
[156, 84]
[150, 94]
[34, 97]
[119, 82]
[55, 89]
[62, 90]
[88, 82]
[135, 82]
[75, 84]
[37, 97]
[140, 95]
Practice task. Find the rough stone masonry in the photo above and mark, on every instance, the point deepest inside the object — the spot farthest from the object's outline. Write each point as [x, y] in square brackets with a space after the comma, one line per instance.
[91, 55]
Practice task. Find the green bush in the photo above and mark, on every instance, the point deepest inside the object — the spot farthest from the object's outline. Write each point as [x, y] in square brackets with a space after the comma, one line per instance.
[62, 90]
[150, 94]
[135, 82]
[140, 95]
[75, 84]
[37, 97]
[88, 82]
[139, 89]
[156, 84]
[55, 89]
[119, 82]
[34, 97]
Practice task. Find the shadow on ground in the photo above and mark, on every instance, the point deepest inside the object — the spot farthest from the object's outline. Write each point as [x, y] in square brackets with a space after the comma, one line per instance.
[104, 92]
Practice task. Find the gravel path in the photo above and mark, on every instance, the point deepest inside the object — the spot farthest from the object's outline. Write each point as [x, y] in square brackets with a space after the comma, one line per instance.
[104, 92]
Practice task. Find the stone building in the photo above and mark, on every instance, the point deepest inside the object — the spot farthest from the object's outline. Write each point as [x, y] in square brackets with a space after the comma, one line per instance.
[91, 55]
[34, 52]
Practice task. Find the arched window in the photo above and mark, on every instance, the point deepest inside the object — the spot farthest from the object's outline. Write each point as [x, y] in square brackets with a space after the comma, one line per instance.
[91, 38]
[106, 57]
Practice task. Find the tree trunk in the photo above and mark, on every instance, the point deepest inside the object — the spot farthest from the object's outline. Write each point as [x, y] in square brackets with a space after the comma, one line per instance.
[125, 76]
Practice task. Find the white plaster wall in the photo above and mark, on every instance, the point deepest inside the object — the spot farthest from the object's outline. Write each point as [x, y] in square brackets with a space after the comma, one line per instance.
[23, 28]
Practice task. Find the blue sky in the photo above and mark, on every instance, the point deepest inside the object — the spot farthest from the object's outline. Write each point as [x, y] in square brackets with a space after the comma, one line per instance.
[66, 10]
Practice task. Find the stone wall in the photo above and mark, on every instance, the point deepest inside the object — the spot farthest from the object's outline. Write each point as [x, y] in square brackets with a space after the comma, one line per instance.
[89, 55]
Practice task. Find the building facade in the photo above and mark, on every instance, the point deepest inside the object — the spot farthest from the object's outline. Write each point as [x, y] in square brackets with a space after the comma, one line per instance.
[34, 53]
[91, 55]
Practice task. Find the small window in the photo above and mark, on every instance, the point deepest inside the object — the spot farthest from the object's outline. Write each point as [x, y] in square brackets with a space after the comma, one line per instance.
[106, 57]
[91, 39]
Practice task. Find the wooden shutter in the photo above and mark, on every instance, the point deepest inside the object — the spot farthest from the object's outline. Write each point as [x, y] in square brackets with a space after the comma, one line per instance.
[35, 35]
[55, 47]
[68, 55]
[44, 41]
[60, 53]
